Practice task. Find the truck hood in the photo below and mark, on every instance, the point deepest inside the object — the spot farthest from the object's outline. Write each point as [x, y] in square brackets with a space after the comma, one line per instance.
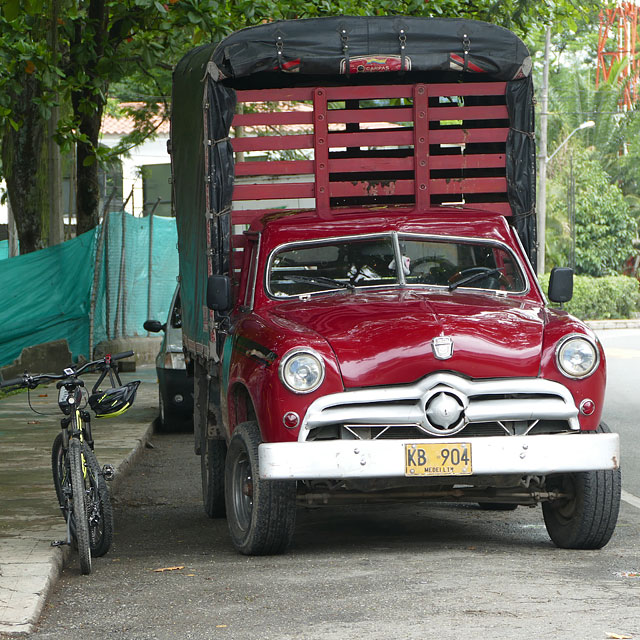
[384, 338]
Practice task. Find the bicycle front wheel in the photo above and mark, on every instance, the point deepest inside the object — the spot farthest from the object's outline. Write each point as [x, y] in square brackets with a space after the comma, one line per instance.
[61, 479]
[79, 505]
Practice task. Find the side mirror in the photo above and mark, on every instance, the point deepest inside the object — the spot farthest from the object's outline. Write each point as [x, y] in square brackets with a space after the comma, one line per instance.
[154, 326]
[561, 284]
[219, 293]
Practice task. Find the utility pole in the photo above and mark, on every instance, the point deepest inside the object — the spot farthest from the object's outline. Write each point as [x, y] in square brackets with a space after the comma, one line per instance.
[542, 156]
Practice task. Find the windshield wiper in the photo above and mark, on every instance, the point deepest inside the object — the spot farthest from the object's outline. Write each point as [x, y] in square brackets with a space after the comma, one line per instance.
[473, 277]
[322, 282]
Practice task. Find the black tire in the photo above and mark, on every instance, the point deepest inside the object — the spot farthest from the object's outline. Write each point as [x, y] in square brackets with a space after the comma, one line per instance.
[261, 514]
[79, 506]
[212, 457]
[59, 469]
[99, 510]
[587, 519]
[497, 506]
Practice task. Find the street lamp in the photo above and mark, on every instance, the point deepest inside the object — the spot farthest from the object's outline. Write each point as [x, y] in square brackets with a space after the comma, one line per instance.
[542, 193]
[585, 125]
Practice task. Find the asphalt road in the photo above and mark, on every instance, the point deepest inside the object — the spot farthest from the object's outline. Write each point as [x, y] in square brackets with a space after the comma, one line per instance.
[377, 572]
[622, 402]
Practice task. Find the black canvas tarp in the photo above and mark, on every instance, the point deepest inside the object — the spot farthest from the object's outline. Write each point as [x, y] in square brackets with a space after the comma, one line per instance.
[321, 52]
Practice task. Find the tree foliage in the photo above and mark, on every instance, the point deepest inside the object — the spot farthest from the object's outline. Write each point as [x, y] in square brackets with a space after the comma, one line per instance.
[604, 229]
[73, 52]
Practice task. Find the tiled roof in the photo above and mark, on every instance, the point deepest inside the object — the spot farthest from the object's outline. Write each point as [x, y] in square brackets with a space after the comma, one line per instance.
[123, 125]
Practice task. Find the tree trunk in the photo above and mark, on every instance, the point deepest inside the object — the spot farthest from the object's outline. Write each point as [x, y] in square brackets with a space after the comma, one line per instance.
[87, 185]
[24, 161]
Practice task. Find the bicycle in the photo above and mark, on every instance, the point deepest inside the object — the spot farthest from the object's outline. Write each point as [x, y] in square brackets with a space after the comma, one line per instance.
[79, 481]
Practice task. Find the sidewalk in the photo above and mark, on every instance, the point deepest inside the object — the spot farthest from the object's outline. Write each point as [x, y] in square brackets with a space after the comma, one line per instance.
[29, 515]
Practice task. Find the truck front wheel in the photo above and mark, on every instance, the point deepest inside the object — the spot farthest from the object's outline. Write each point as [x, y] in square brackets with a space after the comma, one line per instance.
[587, 517]
[260, 513]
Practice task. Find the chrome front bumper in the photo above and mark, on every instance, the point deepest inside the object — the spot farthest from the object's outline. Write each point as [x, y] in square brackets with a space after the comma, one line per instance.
[525, 455]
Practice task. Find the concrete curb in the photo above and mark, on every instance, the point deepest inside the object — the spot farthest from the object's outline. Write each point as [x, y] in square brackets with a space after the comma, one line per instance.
[30, 566]
[631, 323]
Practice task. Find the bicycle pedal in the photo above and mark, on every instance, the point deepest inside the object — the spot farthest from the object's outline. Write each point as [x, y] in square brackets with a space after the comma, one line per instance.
[108, 472]
[59, 543]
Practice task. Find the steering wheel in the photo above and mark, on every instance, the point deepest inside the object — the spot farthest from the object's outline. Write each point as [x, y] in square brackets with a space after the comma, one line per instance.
[494, 277]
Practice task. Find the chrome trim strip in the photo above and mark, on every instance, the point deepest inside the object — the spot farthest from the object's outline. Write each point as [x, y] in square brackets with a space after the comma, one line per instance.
[403, 404]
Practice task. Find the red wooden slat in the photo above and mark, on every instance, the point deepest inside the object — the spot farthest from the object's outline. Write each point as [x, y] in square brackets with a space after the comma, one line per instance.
[340, 94]
[272, 118]
[479, 161]
[275, 95]
[272, 143]
[372, 92]
[347, 165]
[237, 258]
[458, 136]
[467, 89]
[247, 216]
[372, 188]
[469, 185]
[274, 168]
[387, 138]
[321, 152]
[404, 114]
[280, 191]
[421, 145]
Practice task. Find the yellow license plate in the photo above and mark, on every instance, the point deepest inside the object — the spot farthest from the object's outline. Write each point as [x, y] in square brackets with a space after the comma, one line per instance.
[438, 459]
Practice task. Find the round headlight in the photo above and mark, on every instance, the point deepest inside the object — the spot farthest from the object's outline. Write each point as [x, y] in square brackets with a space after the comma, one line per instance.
[302, 371]
[577, 357]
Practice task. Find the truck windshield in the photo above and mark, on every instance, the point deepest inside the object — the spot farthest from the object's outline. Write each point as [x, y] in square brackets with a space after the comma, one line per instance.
[351, 263]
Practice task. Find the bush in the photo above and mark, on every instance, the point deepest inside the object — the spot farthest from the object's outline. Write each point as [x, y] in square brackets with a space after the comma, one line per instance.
[601, 298]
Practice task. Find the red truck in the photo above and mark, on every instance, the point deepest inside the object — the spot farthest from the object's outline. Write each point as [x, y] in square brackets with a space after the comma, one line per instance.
[355, 200]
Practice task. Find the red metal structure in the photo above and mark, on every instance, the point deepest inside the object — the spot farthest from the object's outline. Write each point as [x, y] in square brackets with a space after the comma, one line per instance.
[617, 43]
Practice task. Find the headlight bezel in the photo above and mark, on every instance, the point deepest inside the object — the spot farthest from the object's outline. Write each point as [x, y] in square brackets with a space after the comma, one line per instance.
[291, 355]
[562, 344]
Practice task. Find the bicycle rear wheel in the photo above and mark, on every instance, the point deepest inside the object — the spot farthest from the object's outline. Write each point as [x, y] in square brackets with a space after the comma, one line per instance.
[99, 511]
[79, 515]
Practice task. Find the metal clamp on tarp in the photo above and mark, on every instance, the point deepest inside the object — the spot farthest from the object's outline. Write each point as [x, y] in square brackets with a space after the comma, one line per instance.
[213, 143]
[279, 48]
[344, 38]
[466, 46]
[212, 215]
[403, 43]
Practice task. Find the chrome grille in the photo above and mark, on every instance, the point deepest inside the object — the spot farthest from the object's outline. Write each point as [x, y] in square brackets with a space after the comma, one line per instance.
[515, 406]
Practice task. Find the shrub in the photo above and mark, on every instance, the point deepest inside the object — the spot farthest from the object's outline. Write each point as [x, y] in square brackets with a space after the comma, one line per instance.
[601, 298]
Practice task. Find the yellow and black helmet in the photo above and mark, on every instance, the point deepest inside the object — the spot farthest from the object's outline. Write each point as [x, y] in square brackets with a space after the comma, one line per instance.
[113, 402]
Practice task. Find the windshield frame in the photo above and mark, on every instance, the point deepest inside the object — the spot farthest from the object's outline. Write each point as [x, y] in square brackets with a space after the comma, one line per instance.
[400, 283]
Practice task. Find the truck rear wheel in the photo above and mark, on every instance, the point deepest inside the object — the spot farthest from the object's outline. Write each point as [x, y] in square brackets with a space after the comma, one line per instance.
[587, 518]
[212, 456]
[260, 513]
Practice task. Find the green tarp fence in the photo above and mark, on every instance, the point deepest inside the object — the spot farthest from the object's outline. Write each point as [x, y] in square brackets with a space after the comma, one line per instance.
[4, 249]
[99, 286]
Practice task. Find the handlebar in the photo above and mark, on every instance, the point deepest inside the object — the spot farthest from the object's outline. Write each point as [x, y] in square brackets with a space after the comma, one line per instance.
[31, 381]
